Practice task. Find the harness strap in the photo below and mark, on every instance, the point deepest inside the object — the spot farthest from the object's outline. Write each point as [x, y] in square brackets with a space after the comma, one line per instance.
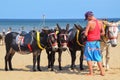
[78, 32]
[30, 48]
[57, 32]
[38, 41]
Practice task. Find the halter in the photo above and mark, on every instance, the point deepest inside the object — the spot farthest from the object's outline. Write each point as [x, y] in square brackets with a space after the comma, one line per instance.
[77, 39]
[53, 34]
[65, 38]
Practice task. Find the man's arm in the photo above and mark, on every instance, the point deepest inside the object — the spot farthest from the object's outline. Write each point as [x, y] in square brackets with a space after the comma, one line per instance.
[87, 29]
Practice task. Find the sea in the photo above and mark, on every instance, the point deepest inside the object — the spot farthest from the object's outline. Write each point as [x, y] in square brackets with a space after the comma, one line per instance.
[37, 24]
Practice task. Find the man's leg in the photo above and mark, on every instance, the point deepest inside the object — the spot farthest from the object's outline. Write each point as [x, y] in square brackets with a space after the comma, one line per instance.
[90, 67]
[102, 72]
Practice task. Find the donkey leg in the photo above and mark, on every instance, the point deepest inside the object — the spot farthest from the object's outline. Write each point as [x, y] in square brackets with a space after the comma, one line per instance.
[6, 60]
[34, 60]
[52, 60]
[73, 58]
[107, 57]
[49, 58]
[59, 60]
[10, 63]
[81, 60]
[8, 49]
[38, 62]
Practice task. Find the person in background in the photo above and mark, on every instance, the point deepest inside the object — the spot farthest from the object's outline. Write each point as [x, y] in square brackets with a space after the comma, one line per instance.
[3, 36]
[23, 32]
[93, 31]
[3, 32]
[9, 30]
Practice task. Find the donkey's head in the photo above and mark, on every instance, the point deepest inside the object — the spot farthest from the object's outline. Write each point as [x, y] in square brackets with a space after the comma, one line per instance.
[62, 37]
[52, 40]
[112, 34]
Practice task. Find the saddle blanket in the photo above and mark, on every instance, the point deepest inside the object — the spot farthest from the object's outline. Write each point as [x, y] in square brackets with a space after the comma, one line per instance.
[24, 40]
[20, 40]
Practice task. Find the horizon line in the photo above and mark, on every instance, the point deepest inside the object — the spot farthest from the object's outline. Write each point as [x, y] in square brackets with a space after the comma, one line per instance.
[55, 18]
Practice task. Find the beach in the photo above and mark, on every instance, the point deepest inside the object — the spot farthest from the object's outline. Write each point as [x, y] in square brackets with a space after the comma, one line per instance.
[22, 65]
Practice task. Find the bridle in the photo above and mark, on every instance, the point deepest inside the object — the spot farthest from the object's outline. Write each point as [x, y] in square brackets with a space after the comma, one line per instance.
[65, 38]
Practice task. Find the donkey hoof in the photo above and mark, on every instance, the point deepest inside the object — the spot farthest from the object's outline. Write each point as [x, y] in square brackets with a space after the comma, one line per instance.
[107, 68]
[39, 70]
[6, 69]
[81, 68]
[60, 69]
[34, 70]
[52, 69]
[49, 66]
[72, 68]
[11, 69]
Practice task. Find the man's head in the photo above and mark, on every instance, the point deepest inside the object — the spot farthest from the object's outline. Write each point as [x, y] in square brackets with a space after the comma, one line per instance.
[89, 15]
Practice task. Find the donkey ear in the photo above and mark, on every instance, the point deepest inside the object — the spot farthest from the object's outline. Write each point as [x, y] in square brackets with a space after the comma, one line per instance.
[76, 26]
[80, 26]
[58, 27]
[67, 27]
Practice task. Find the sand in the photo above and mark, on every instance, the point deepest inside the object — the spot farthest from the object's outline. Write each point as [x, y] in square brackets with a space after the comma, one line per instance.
[22, 65]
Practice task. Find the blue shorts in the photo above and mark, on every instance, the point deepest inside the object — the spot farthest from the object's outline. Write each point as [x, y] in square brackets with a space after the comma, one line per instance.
[92, 51]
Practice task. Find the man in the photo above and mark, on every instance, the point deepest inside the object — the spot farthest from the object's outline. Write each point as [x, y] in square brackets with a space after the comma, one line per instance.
[94, 30]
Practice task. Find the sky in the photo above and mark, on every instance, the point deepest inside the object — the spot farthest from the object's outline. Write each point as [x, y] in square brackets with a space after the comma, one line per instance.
[58, 9]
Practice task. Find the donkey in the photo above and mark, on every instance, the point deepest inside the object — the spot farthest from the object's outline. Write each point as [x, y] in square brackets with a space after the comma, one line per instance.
[110, 39]
[36, 42]
[76, 42]
[62, 39]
